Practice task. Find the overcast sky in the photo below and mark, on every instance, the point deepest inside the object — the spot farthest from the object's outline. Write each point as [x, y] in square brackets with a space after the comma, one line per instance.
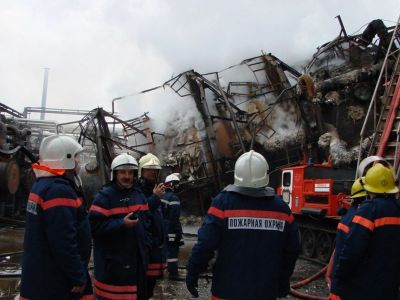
[101, 49]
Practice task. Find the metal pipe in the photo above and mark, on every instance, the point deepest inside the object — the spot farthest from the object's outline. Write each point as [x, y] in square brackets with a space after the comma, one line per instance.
[379, 80]
[232, 116]
[341, 25]
[373, 99]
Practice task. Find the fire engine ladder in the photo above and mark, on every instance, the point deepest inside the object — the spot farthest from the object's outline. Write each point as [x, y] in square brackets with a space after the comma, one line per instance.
[387, 128]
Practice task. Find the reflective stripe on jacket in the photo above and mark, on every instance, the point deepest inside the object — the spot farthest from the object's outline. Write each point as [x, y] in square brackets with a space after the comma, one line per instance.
[257, 244]
[343, 229]
[56, 242]
[120, 253]
[369, 264]
[157, 256]
[171, 210]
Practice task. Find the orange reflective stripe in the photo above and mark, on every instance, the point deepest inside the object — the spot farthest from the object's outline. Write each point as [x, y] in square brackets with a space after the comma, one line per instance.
[364, 222]
[61, 202]
[99, 209]
[156, 266]
[47, 169]
[115, 288]
[154, 272]
[35, 198]
[119, 210]
[216, 212]
[332, 296]
[113, 296]
[248, 213]
[55, 201]
[88, 297]
[387, 221]
[216, 298]
[136, 207]
[343, 227]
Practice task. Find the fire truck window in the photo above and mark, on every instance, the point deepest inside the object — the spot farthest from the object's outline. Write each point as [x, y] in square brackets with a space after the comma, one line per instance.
[286, 179]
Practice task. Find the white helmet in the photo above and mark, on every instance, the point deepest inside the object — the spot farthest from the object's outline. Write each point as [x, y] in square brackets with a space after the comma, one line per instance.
[172, 177]
[59, 151]
[149, 161]
[368, 162]
[251, 170]
[123, 161]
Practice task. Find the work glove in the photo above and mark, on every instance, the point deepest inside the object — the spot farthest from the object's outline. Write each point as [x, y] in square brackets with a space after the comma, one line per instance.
[191, 284]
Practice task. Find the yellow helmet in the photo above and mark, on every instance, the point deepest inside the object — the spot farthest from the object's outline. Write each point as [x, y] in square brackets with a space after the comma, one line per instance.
[149, 161]
[357, 190]
[380, 180]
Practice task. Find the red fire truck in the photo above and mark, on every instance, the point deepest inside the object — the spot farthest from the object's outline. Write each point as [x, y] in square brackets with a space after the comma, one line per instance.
[314, 192]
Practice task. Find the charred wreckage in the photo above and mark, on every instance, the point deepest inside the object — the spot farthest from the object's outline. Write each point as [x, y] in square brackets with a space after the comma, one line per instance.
[312, 126]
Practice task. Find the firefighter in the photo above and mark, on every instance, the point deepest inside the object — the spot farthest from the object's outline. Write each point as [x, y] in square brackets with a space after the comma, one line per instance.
[118, 219]
[171, 210]
[358, 195]
[369, 264]
[254, 234]
[148, 183]
[362, 169]
[368, 162]
[57, 234]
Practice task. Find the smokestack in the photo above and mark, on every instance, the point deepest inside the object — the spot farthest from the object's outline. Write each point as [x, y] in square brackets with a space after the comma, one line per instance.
[44, 92]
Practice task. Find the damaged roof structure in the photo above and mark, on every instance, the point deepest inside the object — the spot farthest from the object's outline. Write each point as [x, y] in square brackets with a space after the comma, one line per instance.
[267, 105]
[262, 103]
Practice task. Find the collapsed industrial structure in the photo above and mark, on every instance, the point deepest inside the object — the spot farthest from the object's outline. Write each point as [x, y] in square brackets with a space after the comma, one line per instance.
[327, 114]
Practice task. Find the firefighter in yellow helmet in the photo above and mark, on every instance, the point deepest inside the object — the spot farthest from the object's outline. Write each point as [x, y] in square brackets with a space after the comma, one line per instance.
[149, 184]
[369, 264]
[357, 196]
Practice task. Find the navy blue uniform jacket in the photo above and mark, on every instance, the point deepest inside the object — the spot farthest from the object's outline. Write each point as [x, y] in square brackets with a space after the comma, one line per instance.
[120, 253]
[343, 229]
[157, 257]
[56, 243]
[369, 264]
[171, 210]
[257, 244]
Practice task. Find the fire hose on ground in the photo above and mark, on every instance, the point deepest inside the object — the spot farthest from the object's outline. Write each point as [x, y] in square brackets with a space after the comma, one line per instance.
[293, 287]
[304, 282]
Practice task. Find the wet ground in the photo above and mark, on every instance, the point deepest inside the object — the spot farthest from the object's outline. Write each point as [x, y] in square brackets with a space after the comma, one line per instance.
[11, 239]
[11, 242]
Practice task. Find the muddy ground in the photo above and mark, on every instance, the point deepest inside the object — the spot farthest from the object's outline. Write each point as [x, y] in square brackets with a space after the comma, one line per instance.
[11, 241]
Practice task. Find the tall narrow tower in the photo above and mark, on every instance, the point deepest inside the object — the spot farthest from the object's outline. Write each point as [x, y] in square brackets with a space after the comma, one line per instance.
[44, 92]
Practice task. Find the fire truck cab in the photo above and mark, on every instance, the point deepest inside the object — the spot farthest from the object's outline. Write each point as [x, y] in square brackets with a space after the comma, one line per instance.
[314, 193]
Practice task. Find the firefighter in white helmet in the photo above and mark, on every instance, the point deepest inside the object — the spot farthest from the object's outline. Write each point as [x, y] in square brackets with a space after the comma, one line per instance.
[57, 233]
[254, 234]
[369, 263]
[362, 169]
[369, 162]
[171, 210]
[118, 218]
[149, 184]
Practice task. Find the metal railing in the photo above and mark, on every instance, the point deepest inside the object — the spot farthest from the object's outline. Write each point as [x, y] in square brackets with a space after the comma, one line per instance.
[382, 79]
